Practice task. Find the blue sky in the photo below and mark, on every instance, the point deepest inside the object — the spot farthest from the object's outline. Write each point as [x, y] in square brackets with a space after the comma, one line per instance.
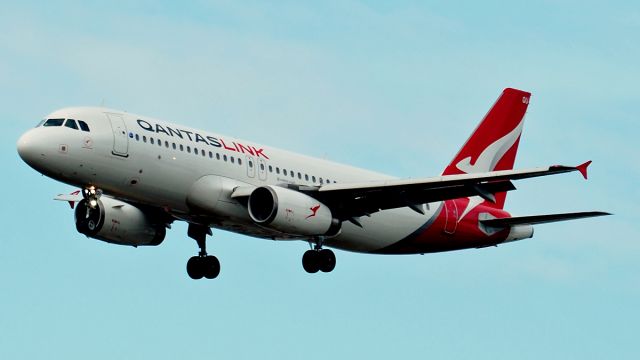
[393, 86]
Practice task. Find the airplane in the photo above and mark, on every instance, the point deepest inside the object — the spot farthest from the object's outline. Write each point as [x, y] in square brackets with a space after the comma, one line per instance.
[138, 175]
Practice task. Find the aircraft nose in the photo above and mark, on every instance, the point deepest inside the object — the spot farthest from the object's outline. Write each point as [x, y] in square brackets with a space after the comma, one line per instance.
[26, 148]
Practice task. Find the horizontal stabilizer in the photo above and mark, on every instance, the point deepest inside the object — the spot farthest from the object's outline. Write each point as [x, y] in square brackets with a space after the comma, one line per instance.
[540, 219]
[68, 197]
[72, 198]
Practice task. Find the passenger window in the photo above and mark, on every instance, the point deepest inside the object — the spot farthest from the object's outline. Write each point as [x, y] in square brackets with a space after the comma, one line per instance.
[70, 123]
[278, 170]
[250, 163]
[233, 160]
[181, 147]
[270, 168]
[189, 149]
[224, 157]
[195, 151]
[174, 145]
[137, 137]
[83, 126]
[144, 138]
[203, 152]
[218, 156]
[299, 176]
[152, 141]
[262, 167]
[54, 122]
[313, 179]
[239, 161]
[306, 177]
[320, 180]
[210, 155]
[284, 171]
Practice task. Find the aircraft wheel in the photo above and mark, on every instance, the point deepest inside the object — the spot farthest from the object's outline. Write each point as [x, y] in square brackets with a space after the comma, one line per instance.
[311, 261]
[211, 268]
[195, 267]
[327, 260]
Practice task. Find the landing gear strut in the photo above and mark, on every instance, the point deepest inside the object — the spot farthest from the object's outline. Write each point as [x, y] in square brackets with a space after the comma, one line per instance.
[318, 259]
[202, 265]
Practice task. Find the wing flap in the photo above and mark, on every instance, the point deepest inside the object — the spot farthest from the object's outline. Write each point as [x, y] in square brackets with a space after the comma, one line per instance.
[368, 202]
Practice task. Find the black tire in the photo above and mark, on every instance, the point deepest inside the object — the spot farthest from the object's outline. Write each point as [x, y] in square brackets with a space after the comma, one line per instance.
[310, 261]
[211, 268]
[195, 267]
[327, 260]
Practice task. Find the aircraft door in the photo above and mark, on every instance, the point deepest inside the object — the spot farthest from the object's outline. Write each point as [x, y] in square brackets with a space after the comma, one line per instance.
[262, 170]
[251, 166]
[120, 139]
[451, 212]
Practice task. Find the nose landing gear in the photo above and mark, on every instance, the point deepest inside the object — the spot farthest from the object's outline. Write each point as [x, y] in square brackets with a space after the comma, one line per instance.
[202, 265]
[91, 195]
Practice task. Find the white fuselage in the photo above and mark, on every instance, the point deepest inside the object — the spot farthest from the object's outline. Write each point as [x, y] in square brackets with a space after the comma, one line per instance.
[147, 161]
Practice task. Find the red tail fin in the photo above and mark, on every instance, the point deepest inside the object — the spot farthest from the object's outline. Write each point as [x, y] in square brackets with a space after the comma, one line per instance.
[494, 143]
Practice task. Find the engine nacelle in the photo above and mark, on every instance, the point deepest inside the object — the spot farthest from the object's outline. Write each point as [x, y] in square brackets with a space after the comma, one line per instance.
[118, 222]
[291, 212]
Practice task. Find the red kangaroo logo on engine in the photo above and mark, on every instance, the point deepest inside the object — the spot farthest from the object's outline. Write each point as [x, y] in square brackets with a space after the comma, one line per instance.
[314, 210]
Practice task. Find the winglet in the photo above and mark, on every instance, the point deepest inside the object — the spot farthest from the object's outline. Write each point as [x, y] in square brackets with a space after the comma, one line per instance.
[583, 169]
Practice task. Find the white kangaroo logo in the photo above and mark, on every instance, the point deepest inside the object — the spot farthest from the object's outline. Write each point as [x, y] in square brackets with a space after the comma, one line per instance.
[487, 161]
[490, 156]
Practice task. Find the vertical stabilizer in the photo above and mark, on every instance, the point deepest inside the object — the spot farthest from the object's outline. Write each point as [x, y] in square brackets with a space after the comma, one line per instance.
[493, 144]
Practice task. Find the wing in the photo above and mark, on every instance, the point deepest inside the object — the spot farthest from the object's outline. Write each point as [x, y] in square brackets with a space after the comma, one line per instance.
[352, 200]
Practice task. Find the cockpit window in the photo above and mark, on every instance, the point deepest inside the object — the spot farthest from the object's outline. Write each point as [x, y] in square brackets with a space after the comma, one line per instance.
[83, 126]
[41, 122]
[53, 122]
[71, 124]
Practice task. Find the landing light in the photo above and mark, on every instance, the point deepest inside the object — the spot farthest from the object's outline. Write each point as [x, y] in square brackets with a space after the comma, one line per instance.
[91, 193]
[93, 203]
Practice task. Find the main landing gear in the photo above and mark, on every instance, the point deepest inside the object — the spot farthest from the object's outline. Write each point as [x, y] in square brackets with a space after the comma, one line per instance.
[202, 265]
[318, 259]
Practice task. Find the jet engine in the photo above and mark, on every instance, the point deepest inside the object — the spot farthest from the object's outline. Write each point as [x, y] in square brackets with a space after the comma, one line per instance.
[117, 222]
[291, 212]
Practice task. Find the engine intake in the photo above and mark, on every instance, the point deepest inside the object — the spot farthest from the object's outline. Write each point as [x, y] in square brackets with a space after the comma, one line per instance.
[291, 212]
[118, 222]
